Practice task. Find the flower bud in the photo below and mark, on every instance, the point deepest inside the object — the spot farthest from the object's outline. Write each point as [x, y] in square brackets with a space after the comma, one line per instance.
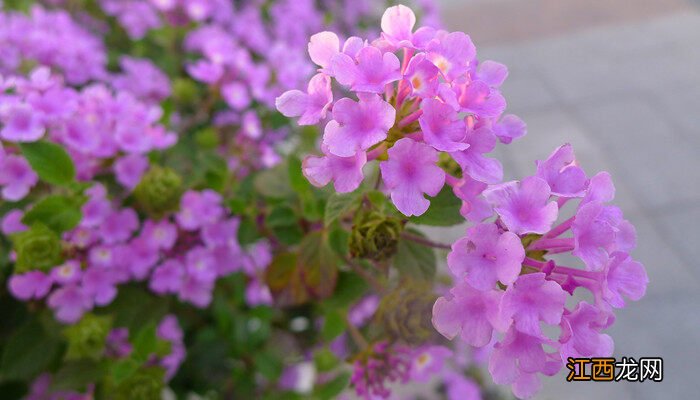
[375, 236]
[38, 248]
[87, 338]
[405, 312]
[145, 383]
[185, 90]
[159, 191]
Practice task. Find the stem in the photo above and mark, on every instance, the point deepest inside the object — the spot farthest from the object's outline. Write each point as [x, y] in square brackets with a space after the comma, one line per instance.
[410, 118]
[376, 152]
[559, 229]
[451, 180]
[545, 244]
[356, 335]
[425, 242]
[376, 285]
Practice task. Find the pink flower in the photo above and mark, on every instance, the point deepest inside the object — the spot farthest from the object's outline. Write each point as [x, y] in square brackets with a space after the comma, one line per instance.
[198, 209]
[470, 313]
[129, 169]
[312, 105]
[451, 53]
[345, 172]
[509, 128]
[564, 176]
[161, 235]
[69, 272]
[21, 124]
[69, 303]
[423, 76]
[411, 172]
[474, 207]
[370, 72]
[167, 278]
[16, 177]
[524, 206]
[12, 222]
[580, 333]
[486, 256]
[397, 26]
[200, 264]
[236, 95]
[322, 47]
[118, 226]
[441, 126]
[600, 189]
[357, 126]
[196, 291]
[257, 293]
[492, 73]
[472, 160]
[30, 285]
[99, 284]
[623, 277]
[428, 361]
[477, 98]
[532, 299]
[600, 230]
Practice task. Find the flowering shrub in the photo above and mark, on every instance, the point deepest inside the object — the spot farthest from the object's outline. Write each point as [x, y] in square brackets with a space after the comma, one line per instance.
[165, 232]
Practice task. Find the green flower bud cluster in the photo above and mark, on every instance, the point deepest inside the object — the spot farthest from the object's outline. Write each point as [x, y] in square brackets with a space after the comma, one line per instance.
[87, 338]
[375, 236]
[159, 191]
[405, 312]
[146, 383]
[38, 248]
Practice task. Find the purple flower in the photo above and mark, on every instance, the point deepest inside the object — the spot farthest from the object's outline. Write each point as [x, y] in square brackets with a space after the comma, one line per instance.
[12, 222]
[236, 95]
[357, 126]
[160, 235]
[524, 206]
[117, 345]
[564, 176]
[532, 299]
[428, 361]
[492, 73]
[486, 256]
[580, 333]
[69, 303]
[140, 256]
[600, 189]
[509, 128]
[198, 209]
[623, 277]
[201, 264]
[451, 53]
[370, 71]
[118, 226]
[411, 172]
[470, 313]
[600, 230]
[129, 169]
[257, 293]
[196, 291]
[477, 98]
[69, 272]
[441, 126]
[21, 124]
[167, 277]
[322, 47]
[479, 141]
[397, 26]
[16, 177]
[205, 71]
[345, 172]
[312, 105]
[143, 79]
[30, 285]
[99, 284]
[460, 387]
[423, 76]
[517, 359]
[474, 207]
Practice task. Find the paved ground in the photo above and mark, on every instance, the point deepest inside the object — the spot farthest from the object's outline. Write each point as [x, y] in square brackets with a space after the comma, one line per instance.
[620, 80]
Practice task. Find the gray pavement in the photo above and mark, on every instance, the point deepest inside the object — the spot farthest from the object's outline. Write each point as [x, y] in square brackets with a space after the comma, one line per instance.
[623, 86]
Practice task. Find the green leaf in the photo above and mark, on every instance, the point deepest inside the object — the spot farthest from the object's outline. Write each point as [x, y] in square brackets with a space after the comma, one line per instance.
[333, 325]
[274, 183]
[415, 260]
[50, 161]
[134, 308]
[332, 388]
[268, 365]
[350, 287]
[123, 369]
[338, 205]
[318, 265]
[325, 360]
[56, 212]
[28, 351]
[443, 211]
[338, 239]
[281, 216]
[296, 178]
[145, 343]
[77, 375]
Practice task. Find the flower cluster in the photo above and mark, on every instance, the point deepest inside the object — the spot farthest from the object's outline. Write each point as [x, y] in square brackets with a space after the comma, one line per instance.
[430, 119]
[182, 254]
[438, 99]
[509, 277]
